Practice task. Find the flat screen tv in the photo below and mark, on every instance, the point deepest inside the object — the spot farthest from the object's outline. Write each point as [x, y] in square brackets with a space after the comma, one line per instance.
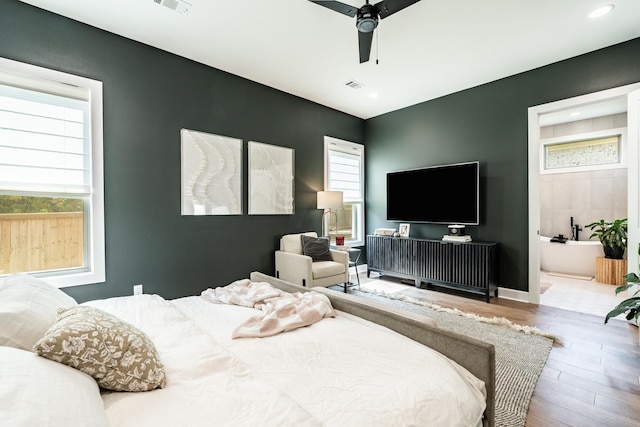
[445, 194]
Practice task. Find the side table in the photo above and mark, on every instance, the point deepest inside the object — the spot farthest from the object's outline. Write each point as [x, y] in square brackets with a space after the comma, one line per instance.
[354, 256]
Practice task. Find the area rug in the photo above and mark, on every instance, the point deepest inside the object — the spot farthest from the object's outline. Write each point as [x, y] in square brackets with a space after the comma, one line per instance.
[521, 351]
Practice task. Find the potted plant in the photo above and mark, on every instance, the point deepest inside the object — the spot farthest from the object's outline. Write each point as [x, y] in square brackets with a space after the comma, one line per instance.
[612, 235]
[630, 305]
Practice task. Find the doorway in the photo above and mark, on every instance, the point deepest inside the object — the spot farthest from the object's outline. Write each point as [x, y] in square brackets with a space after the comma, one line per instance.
[614, 102]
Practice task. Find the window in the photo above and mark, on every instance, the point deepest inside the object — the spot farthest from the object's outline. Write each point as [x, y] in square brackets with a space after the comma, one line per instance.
[51, 185]
[585, 152]
[344, 171]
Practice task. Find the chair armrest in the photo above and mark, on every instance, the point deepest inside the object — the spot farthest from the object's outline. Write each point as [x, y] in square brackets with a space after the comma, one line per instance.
[294, 267]
[340, 256]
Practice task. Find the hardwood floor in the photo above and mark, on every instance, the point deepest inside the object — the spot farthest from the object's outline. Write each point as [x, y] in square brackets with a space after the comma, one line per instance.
[592, 378]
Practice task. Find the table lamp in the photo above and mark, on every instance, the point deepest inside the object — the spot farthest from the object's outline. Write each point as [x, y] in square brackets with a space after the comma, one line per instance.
[329, 200]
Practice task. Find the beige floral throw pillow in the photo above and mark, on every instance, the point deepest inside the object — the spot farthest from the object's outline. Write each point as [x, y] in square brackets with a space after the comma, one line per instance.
[115, 353]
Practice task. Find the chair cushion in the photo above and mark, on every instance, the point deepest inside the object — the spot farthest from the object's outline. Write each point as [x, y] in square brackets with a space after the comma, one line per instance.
[292, 242]
[324, 269]
[317, 248]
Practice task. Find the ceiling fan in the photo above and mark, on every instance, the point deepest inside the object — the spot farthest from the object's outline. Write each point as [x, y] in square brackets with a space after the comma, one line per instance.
[367, 18]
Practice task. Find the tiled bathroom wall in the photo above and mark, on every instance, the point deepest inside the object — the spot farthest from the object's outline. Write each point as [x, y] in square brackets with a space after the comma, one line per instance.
[585, 196]
[613, 121]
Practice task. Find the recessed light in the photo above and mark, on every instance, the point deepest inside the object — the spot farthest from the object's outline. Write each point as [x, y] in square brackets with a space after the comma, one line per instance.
[601, 11]
[373, 95]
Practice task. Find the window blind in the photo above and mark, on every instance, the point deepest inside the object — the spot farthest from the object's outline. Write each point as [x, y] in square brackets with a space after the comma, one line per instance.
[345, 172]
[44, 140]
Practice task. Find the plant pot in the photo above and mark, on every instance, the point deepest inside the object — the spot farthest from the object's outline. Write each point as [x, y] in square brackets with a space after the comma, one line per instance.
[615, 252]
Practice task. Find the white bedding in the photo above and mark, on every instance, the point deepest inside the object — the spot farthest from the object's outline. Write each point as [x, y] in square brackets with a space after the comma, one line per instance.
[341, 371]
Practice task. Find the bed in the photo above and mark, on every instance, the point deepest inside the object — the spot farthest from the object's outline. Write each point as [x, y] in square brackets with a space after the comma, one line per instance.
[366, 365]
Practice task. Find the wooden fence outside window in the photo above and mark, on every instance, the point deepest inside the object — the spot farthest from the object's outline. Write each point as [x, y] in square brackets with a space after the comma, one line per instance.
[41, 241]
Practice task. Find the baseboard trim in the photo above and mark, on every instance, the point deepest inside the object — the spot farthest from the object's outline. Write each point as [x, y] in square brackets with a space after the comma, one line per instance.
[514, 294]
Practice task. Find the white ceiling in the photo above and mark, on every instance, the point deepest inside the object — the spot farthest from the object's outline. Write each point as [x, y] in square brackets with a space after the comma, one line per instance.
[428, 50]
[585, 111]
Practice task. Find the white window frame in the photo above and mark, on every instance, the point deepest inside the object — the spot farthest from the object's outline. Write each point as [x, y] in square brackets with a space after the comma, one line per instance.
[358, 204]
[618, 132]
[94, 270]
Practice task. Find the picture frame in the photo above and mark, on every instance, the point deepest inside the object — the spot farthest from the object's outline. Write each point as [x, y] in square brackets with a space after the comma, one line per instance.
[404, 230]
[211, 174]
[271, 179]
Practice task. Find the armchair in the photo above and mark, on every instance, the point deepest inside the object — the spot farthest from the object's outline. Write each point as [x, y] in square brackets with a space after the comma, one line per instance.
[293, 266]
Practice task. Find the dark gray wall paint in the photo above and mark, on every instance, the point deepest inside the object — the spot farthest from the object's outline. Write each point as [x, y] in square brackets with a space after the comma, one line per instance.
[486, 123]
[149, 95]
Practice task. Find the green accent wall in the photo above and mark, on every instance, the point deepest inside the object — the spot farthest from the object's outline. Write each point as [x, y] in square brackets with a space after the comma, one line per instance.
[487, 123]
[149, 95]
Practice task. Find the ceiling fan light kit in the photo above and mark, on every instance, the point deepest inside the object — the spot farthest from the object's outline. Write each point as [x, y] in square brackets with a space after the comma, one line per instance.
[367, 18]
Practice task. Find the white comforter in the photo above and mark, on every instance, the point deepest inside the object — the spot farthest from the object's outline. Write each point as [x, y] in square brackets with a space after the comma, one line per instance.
[341, 371]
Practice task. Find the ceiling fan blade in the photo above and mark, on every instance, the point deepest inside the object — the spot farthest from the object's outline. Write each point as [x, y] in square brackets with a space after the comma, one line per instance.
[345, 9]
[364, 42]
[389, 7]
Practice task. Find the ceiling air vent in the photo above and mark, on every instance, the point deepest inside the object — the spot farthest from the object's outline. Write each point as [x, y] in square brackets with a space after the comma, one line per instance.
[354, 84]
[177, 5]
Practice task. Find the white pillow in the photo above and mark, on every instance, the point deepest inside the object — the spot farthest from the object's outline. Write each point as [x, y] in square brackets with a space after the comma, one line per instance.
[35, 391]
[28, 308]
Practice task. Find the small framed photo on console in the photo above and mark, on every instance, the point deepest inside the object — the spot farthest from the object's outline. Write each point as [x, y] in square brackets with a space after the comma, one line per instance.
[404, 230]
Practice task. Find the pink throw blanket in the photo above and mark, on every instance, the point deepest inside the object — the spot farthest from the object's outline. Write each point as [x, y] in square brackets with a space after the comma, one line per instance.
[281, 311]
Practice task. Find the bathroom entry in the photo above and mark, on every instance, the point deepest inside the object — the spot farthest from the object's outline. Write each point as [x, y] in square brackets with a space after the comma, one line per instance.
[580, 165]
[583, 169]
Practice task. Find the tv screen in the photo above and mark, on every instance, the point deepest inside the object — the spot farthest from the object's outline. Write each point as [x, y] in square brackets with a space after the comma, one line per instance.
[445, 194]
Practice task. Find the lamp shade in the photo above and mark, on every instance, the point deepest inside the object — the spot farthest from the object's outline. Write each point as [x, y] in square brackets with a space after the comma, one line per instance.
[329, 199]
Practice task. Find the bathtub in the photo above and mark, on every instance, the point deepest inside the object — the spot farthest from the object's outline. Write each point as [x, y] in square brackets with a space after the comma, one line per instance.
[573, 257]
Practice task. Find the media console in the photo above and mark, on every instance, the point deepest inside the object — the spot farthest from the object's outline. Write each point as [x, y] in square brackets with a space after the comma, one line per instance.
[469, 266]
